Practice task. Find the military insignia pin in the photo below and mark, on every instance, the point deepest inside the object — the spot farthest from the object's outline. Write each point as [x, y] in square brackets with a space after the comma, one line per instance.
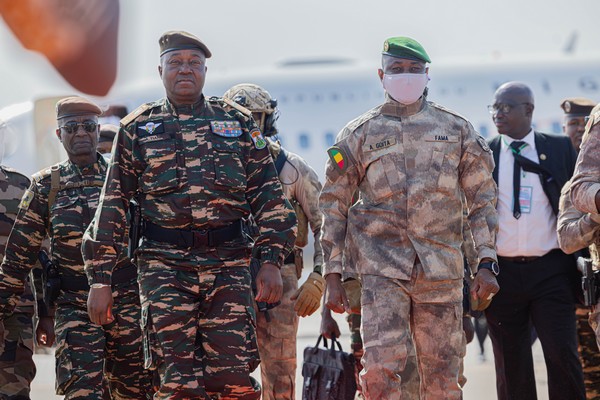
[26, 200]
[226, 128]
[337, 158]
[152, 127]
[542, 157]
[258, 139]
[386, 46]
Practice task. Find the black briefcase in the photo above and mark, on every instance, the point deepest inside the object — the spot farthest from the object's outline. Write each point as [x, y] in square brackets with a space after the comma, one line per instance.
[328, 373]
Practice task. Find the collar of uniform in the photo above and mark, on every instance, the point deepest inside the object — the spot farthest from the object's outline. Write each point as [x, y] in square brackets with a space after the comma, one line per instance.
[393, 108]
[186, 109]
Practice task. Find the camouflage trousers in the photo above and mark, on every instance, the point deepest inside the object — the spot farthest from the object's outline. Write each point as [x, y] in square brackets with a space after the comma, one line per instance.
[588, 353]
[392, 309]
[277, 342]
[17, 369]
[199, 331]
[101, 362]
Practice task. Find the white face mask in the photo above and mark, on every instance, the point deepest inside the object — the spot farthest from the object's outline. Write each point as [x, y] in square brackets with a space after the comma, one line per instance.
[405, 88]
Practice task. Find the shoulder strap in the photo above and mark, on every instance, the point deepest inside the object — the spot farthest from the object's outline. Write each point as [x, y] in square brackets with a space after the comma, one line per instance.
[280, 160]
[54, 186]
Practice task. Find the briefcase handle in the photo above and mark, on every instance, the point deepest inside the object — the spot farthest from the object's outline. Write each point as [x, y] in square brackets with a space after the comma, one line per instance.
[334, 342]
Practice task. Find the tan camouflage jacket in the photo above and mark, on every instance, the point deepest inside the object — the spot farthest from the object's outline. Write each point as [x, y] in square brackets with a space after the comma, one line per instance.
[12, 187]
[410, 164]
[194, 167]
[301, 185]
[586, 178]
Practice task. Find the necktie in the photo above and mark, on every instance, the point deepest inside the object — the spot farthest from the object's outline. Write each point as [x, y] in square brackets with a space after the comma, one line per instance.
[516, 148]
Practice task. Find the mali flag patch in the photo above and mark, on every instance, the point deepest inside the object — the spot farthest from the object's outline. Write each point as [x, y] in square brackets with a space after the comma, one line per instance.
[338, 158]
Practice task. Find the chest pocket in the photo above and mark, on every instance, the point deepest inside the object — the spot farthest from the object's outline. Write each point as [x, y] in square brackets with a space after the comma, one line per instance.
[382, 178]
[229, 168]
[163, 173]
[66, 217]
[444, 166]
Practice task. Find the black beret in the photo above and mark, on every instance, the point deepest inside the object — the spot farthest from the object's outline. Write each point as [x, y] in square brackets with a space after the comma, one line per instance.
[75, 106]
[107, 132]
[577, 106]
[180, 40]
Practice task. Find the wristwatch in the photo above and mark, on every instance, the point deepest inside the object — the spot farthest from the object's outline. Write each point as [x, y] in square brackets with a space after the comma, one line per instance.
[489, 265]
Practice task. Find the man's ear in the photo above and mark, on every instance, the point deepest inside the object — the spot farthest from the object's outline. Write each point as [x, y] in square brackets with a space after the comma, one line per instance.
[58, 134]
[160, 71]
[380, 73]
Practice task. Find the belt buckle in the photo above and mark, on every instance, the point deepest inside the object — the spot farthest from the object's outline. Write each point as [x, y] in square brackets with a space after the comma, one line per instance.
[200, 238]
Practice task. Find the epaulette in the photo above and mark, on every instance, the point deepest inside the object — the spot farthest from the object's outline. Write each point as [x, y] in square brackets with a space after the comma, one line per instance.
[14, 171]
[41, 175]
[449, 111]
[129, 118]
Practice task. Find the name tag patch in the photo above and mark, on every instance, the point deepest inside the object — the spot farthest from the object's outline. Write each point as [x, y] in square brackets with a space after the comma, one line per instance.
[226, 128]
[383, 144]
[151, 128]
[441, 138]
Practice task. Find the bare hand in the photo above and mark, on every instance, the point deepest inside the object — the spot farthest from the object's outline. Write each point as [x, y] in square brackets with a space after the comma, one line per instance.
[99, 305]
[269, 284]
[336, 295]
[484, 286]
[329, 327]
[44, 332]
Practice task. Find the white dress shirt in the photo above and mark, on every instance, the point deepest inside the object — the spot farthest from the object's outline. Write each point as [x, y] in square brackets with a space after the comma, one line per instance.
[534, 233]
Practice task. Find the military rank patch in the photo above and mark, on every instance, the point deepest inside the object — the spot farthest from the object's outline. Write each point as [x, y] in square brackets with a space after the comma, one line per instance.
[483, 144]
[226, 128]
[258, 139]
[26, 200]
[338, 158]
[151, 128]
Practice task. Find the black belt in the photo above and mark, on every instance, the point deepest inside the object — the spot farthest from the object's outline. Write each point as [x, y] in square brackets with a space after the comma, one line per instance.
[194, 239]
[290, 259]
[518, 259]
[77, 283]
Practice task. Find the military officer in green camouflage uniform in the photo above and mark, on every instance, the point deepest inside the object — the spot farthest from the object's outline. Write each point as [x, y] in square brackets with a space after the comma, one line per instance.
[410, 159]
[17, 369]
[91, 360]
[578, 231]
[277, 334]
[198, 172]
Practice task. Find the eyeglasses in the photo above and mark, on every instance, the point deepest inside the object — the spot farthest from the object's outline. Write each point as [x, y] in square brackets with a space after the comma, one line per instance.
[73, 127]
[503, 108]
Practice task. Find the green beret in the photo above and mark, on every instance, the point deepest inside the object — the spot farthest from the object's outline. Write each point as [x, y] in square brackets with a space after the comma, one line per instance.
[405, 47]
[577, 106]
[180, 40]
[75, 106]
[107, 132]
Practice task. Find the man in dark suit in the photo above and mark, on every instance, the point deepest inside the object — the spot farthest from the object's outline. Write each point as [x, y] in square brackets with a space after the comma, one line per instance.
[535, 275]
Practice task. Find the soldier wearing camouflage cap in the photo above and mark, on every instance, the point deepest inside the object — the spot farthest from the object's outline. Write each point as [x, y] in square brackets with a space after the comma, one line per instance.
[92, 361]
[411, 160]
[198, 172]
[277, 335]
[576, 110]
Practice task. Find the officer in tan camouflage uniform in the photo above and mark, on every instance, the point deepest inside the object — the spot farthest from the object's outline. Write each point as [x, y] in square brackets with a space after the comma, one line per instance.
[576, 232]
[198, 172]
[17, 369]
[585, 189]
[411, 159]
[91, 360]
[276, 333]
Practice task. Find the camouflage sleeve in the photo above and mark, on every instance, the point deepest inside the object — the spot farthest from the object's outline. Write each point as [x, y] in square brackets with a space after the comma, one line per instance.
[24, 242]
[481, 192]
[468, 245]
[102, 241]
[576, 230]
[586, 179]
[307, 192]
[272, 211]
[343, 172]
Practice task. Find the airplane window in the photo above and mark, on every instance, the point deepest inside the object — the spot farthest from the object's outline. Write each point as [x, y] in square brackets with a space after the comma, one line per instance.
[556, 127]
[317, 97]
[335, 96]
[304, 140]
[483, 130]
[329, 139]
[299, 98]
[350, 96]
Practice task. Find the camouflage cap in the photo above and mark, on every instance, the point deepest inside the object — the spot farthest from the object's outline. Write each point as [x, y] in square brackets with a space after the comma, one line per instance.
[74, 106]
[107, 132]
[577, 106]
[405, 47]
[180, 40]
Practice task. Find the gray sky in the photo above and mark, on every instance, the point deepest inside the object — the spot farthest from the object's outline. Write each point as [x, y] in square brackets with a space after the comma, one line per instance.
[243, 34]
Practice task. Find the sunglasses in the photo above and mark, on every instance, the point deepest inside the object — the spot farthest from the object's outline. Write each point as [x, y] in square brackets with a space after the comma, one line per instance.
[73, 127]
